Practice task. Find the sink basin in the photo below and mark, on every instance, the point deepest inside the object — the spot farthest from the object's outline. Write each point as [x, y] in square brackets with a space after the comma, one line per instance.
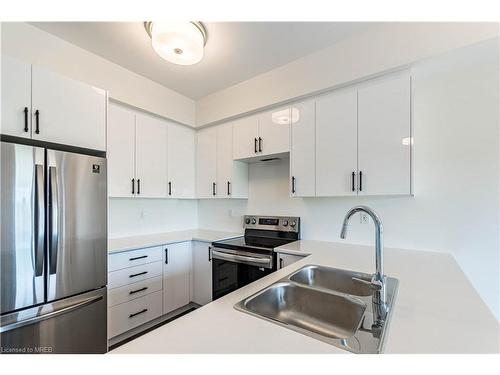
[326, 314]
[333, 279]
[327, 304]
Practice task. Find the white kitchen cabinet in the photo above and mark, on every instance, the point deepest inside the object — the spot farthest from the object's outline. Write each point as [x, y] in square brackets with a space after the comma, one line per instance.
[384, 136]
[336, 143]
[151, 157]
[245, 137]
[121, 151]
[181, 161]
[66, 111]
[177, 264]
[202, 273]
[16, 98]
[302, 149]
[45, 106]
[231, 176]
[287, 259]
[206, 163]
[274, 131]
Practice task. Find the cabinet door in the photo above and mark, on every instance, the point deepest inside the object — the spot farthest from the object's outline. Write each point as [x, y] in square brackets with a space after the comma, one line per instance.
[176, 276]
[206, 163]
[245, 137]
[121, 151]
[384, 136]
[181, 161]
[274, 131]
[16, 98]
[224, 160]
[151, 157]
[69, 112]
[302, 150]
[336, 143]
[202, 273]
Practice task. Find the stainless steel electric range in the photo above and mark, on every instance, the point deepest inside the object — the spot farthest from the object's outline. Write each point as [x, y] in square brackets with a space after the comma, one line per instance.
[240, 261]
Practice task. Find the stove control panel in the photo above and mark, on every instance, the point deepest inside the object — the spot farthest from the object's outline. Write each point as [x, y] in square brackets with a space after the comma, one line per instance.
[276, 223]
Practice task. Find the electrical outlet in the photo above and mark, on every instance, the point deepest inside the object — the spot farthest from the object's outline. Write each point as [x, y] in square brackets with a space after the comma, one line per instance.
[364, 218]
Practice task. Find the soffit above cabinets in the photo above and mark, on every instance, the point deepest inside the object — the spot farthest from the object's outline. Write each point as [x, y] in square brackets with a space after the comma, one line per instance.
[235, 52]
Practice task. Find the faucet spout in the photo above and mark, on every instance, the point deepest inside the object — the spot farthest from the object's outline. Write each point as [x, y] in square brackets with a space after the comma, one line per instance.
[378, 279]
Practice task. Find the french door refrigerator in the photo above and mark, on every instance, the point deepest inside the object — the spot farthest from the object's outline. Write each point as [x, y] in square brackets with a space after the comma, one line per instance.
[53, 251]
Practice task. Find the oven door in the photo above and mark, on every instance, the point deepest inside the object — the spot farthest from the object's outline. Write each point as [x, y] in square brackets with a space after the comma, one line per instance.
[232, 269]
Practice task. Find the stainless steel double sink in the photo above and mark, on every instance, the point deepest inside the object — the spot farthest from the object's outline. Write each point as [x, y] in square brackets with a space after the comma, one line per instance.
[327, 304]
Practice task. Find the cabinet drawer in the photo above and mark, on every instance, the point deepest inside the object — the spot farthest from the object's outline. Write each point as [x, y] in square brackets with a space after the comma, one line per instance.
[134, 258]
[135, 290]
[131, 314]
[133, 274]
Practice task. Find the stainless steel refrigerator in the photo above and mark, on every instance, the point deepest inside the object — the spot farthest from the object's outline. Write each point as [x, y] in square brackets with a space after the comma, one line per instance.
[53, 251]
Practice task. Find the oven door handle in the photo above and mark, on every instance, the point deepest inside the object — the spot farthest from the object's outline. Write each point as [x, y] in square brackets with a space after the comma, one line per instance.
[240, 258]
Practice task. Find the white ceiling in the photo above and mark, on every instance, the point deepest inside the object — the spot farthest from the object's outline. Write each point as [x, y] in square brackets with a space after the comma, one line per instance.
[235, 51]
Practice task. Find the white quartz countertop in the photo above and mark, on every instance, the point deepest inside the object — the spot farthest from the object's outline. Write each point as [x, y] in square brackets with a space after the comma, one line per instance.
[436, 310]
[116, 245]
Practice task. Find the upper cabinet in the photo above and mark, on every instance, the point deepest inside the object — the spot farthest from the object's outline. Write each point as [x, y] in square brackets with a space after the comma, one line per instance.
[302, 146]
[149, 157]
[384, 136]
[45, 106]
[263, 135]
[363, 139]
[218, 175]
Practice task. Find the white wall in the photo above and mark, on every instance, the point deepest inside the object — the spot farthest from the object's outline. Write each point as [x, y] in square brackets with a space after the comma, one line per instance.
[30, 44]
[456, 170]
[137, 216]
[379, 48]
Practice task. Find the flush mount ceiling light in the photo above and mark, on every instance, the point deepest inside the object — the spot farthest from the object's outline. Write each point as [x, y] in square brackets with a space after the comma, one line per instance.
[180, 42]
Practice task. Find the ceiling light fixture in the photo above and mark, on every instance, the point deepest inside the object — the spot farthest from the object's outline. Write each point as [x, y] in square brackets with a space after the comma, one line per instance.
[180, 42]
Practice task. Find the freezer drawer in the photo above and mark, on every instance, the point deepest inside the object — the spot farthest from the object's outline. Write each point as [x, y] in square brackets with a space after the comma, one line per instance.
[72, 325]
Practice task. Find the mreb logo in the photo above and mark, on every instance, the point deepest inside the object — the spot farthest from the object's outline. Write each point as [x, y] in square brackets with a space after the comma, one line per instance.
[96, 168]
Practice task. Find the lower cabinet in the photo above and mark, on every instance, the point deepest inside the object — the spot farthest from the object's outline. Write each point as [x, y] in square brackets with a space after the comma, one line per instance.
[202, 273]
[287, 259]
[176, 276]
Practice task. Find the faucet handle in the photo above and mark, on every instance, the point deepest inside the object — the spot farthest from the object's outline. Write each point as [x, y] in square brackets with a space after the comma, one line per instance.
[373, 284]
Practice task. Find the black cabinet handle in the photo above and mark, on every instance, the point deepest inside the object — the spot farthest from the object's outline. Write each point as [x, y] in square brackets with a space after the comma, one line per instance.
[360, 181]
[209, 254]
[138, 313]
[293, 185]
[229, 188]
[260, 144]
[139, 274]
[170, 188]
[166, 255]
[255, 145]
[138, 186]
[26, 119]
[133, 186]
[353, 178]
[141, 257]
[213, 189]
[37, 121]
[138, 290]
[281, 262]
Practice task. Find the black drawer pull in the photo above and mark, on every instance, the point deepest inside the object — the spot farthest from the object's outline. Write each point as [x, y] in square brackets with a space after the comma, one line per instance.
[255, 145]
[37, 123]
[138, 290]
[139, 274]
[293, 185]
[138, 186]
[133, 186]
[138, 313]
[209, 254]
[141, 257]
[353, 178]
[26, 119]
[166, 255]
[260, 144]
[170, 188]
[360, 181]
[213, 189]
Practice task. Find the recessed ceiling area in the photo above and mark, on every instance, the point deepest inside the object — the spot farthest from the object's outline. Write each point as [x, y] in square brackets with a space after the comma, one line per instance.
[235, 52]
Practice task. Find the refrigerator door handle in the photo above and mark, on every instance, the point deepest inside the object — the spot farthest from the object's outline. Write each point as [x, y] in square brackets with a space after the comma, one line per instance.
[53, 220]
[39, 219]
[39, 318]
